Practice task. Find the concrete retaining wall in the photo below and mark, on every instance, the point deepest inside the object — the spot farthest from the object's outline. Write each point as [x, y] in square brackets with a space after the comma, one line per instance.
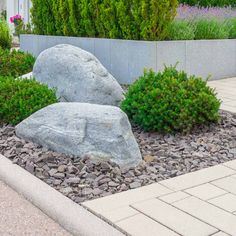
[126, 59]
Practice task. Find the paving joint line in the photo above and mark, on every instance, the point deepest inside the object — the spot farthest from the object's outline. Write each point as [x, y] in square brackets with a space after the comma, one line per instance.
[224, 189]
[150, 217]
[190, 214]
[207, 201]
[183, 189]
[100, 216]
[176, 200]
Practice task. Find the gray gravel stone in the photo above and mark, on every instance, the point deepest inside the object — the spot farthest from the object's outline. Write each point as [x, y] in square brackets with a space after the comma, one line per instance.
[73, 180]
[135, 185]
[96, 176]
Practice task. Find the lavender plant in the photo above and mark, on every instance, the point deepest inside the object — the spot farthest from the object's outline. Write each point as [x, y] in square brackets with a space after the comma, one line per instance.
[232, 28]
[211, 29]
[203, 23]
[208, 3]
[194, 12]
[181, 30]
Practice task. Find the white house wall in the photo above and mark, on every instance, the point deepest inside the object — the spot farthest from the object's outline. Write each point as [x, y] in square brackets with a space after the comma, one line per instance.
[18, 7]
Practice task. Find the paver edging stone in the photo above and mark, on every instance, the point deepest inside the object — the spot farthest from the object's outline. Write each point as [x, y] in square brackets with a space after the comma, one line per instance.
[68, 214]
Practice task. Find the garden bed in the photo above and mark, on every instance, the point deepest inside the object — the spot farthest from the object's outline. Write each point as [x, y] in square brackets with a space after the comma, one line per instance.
[165, 156]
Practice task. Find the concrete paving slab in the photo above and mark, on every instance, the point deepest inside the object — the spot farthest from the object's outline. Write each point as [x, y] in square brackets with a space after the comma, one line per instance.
[229, 108]
[226, 91]
[227, 184]
[233, 176]
[124, 199]
[197, 178]
[226, 202]
[175, 219]
[220, 234]
[140, 225]
[231, 164]
[119, 214]
[206, 191]
[208, 213]
[174, 197]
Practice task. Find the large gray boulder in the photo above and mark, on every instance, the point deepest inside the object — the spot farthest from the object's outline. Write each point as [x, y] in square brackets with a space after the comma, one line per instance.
[79, 129]
[77, 75]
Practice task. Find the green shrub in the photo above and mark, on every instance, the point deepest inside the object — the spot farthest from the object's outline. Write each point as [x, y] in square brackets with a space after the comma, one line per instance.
[209, 3]
[211, 29]
[5, 35]
[181, 30]
[232, 28]
[15, 63]
[170, 102]
[43, 16]
[23, 28]
[3, 15]
[19, 98]
[124, 19]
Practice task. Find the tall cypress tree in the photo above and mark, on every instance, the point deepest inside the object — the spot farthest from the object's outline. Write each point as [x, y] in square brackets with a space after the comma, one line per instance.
[57, 16]
[124, 17]
[74, 17]
[156, 16]
[110, 19]
[87, 18]
[65, 16]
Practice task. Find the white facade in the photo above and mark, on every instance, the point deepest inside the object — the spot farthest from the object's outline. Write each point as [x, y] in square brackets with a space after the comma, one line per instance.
[2, 5]
[21, 7]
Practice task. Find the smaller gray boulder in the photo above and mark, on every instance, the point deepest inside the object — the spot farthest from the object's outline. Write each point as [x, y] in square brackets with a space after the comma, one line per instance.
[80, 129]
[77, 75]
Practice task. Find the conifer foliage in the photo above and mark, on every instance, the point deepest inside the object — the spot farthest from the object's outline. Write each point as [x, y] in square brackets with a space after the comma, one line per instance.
[122, 19]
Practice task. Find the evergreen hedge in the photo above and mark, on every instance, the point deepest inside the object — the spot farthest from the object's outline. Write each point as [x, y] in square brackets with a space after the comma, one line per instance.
[121, 19]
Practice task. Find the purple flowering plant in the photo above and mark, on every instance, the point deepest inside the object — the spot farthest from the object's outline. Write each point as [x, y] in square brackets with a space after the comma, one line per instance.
[185, 12]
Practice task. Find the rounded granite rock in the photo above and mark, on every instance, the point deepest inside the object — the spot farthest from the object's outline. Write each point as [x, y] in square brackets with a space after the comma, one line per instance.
[77, 76]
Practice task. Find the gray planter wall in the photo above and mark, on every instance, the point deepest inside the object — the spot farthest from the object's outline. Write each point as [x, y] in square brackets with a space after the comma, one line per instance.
[126, 59]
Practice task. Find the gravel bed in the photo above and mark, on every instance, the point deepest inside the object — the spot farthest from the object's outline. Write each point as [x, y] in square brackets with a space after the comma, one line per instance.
[164, 156]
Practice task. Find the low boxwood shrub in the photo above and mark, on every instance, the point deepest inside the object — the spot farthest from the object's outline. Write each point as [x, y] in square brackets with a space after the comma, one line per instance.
[15, 63]
[5, 35]
[181, 30]
[19, 98]
[170, 101]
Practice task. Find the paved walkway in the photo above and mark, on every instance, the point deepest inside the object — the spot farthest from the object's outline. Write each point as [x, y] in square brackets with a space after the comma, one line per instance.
[226, 89]
[19, 217]
[200, 203]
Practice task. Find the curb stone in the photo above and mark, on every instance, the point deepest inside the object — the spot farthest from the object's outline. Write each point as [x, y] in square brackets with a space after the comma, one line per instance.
[64, 211]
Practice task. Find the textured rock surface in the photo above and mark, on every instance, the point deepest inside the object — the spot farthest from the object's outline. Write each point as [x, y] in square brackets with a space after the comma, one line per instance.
[77, 75]
[80, 129]
[165, 156]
